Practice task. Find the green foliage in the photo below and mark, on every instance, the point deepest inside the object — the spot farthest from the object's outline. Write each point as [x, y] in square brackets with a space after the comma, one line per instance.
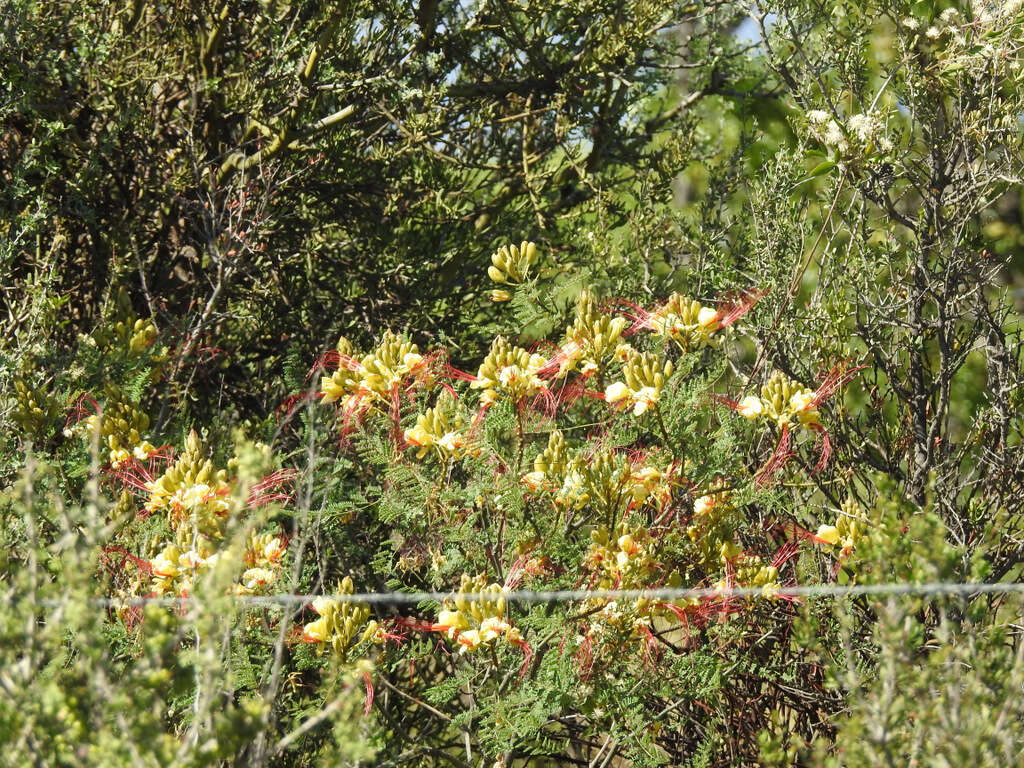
[760, 327]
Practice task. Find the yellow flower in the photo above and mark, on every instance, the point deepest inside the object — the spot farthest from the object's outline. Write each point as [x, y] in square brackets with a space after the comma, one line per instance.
[645, 482]
[118, 457]
[317, 631]
[451, 441]
[411, 361]
[707, 319]
[534, 480]
[829, 533]
[452, 622]
[703, 504]
[324, 605]
[492, 628]
[255, 578]
[143, 450]
[165, 565]
[643, 399]
[628, 544]
[750, 406]
[802, 403]
[617, 392]
[469, 639]
[418, 436]
[331, 389]
[498, 295]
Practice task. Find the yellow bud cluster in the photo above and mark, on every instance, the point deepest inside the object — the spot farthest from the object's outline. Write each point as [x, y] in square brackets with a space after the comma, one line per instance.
[591, 339]
[478, 616]
[607, 481]
[573, 493]
[193, 493]
[442, 427]
[121, 427]
[645, 374]
[34, 409]
[344, 347]
[751, 571]
[341, 622]
[127, 329]
[782, 401]
[375, 375]
[511, 264]
[394, 358]
[686, 321]
[711, 529]
[510, 371]
[550, 466]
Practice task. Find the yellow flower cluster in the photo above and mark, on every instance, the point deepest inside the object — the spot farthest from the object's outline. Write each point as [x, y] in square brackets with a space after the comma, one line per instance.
[195, 496]
[625, 560]
[509, 371]
[749, 571]
[645, 375]
[592, 338]
[850, 526]
[478, 616]
[120, 426]
[712, 527]
[340, 623]
[442, 428]
[510, 265]
[606, 479]
[686, 321]
[263, 555]
[373, 377]
[175, 569]
[192, 492]
[782, 401]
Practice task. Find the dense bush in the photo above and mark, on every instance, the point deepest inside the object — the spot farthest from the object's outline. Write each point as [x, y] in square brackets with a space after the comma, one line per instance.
[478, 298]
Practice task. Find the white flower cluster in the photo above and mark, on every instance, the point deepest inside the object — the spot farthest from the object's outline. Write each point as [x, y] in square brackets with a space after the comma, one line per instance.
[862, 133]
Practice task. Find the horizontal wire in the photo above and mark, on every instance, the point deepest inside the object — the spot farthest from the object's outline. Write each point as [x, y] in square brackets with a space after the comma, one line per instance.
[580, 595]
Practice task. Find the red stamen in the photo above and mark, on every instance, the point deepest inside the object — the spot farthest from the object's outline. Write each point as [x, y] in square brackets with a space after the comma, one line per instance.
[837, 377]
[778, 459]
[368, 684]
[733, 308]
[454, 373]
[826, 447]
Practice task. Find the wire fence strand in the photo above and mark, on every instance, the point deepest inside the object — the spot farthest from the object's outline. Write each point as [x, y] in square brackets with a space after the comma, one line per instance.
[952, 589]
